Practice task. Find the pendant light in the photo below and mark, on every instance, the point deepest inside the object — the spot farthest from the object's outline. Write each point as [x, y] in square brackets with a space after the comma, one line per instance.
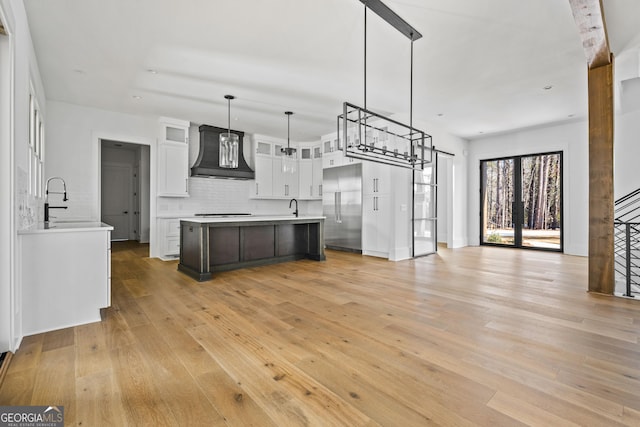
[288, 152]
[229, 142]
[367, 135]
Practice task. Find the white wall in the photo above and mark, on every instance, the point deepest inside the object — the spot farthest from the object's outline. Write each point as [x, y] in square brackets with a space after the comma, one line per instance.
[455, 196]
[570, 138]
[18, 68]
[626, 149]
[73, 149]
[457, 187]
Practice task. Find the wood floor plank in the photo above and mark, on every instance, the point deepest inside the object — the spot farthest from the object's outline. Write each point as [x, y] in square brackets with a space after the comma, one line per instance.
[300, 400]
[141, 401]
[92, 354]
[187, 403]
[55, 383]
[98, 401]
[231, 400]
[526, 412]
[471, 336]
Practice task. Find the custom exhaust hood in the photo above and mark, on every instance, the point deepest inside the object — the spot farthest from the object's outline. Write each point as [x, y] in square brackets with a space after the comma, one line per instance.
[208, 162]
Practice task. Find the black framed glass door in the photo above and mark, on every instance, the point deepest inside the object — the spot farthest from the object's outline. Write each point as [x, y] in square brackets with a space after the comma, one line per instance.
[521, 201]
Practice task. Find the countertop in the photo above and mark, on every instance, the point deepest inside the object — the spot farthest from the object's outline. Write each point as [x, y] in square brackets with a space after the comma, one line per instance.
[65, 227]
[253, 218]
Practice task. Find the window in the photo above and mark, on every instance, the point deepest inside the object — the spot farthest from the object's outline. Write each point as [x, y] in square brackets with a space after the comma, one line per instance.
[36, 148]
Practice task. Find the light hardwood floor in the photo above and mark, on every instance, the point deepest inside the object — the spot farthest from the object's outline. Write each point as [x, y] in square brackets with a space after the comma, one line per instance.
[473, 336]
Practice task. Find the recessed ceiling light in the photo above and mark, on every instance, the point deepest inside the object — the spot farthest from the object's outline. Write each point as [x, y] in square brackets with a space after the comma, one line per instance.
[481, 132]
[79, 71]
[548, 87]
[152, 71]
[136, 97]
[440, 114]
[571, 115]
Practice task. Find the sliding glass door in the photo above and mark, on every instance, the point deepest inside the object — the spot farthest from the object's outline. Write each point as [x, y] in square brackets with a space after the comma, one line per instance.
[521, 201]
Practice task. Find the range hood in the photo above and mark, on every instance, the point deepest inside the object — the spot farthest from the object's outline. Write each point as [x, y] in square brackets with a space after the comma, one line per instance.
[207, 164]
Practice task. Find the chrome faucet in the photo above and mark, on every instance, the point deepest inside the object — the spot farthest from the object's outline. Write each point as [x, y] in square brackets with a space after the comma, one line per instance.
[296, 211]
[46, 196]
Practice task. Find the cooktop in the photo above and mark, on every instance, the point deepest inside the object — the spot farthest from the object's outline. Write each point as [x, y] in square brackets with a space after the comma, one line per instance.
[223, 214]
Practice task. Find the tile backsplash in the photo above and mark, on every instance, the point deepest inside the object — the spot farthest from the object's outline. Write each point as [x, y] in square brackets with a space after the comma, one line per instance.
[27, 206]
[210, 195]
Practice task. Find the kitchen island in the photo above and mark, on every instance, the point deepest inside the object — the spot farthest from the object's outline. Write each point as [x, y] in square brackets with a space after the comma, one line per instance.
[227, 243]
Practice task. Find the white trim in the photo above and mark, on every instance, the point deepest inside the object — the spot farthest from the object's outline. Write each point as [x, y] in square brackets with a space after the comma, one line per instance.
[8, 235]
[96, 139]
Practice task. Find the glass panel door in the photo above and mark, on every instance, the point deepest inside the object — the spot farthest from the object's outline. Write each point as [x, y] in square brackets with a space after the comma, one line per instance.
[541, 190]
[424, 210]
[521, 201]
[497, 201]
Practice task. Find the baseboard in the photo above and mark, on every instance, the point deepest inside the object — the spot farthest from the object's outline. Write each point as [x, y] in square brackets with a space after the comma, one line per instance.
[4, 366]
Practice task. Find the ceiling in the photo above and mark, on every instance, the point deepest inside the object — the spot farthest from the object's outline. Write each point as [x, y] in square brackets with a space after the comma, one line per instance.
[481, 67]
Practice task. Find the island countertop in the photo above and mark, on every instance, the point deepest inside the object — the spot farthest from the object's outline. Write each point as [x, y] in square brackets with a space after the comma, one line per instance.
[252, 218]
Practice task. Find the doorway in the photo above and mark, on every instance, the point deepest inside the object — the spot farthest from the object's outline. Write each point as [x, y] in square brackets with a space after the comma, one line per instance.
[124, 184]
[521, 201]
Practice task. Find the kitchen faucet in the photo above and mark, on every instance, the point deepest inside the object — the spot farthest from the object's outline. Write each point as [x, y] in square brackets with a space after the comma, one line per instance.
[46, 197]
[296, 211]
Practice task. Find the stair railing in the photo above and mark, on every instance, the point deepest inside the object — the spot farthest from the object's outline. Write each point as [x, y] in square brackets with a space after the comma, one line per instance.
[627, 241]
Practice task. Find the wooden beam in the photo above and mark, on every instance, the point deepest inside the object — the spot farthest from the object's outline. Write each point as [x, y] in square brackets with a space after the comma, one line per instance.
[601, 257]
[589, 17]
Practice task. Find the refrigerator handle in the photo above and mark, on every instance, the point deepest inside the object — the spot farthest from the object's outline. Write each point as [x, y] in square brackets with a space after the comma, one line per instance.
[338, 206]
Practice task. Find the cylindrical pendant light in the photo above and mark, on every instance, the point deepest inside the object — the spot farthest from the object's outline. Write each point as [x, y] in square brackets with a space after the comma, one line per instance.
[229, 142]
[289, 153]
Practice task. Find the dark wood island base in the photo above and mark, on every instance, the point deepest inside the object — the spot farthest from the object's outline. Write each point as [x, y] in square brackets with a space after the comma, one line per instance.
[209, 245]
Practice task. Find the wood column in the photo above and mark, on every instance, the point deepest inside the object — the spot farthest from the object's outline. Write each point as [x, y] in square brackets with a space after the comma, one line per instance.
[601, 199]
[589, 17]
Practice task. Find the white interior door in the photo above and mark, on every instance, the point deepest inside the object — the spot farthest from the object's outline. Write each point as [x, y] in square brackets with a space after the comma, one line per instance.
[117, 189]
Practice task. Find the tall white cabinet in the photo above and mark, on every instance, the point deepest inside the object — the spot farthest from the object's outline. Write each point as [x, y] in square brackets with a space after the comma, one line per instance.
[310, 171]
[376, 209]
[173, 158]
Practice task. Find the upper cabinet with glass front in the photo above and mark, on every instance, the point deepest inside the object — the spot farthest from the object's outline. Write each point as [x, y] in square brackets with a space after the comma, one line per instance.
[173, 158]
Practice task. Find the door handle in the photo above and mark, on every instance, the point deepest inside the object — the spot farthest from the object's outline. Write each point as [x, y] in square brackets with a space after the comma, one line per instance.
[125, 212]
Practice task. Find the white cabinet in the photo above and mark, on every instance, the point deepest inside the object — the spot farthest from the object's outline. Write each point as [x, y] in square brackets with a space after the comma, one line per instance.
[375, 224]
[376, 209]
[169, 238]
[316, 181]
[285, 182]
[263, 184]
[333, 152]
[310, 172]
[271, 181]
[173, 158]
[72, 280]
[305, 163]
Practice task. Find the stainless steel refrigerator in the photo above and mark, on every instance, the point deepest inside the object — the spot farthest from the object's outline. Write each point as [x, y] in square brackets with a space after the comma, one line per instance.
[342, 207]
